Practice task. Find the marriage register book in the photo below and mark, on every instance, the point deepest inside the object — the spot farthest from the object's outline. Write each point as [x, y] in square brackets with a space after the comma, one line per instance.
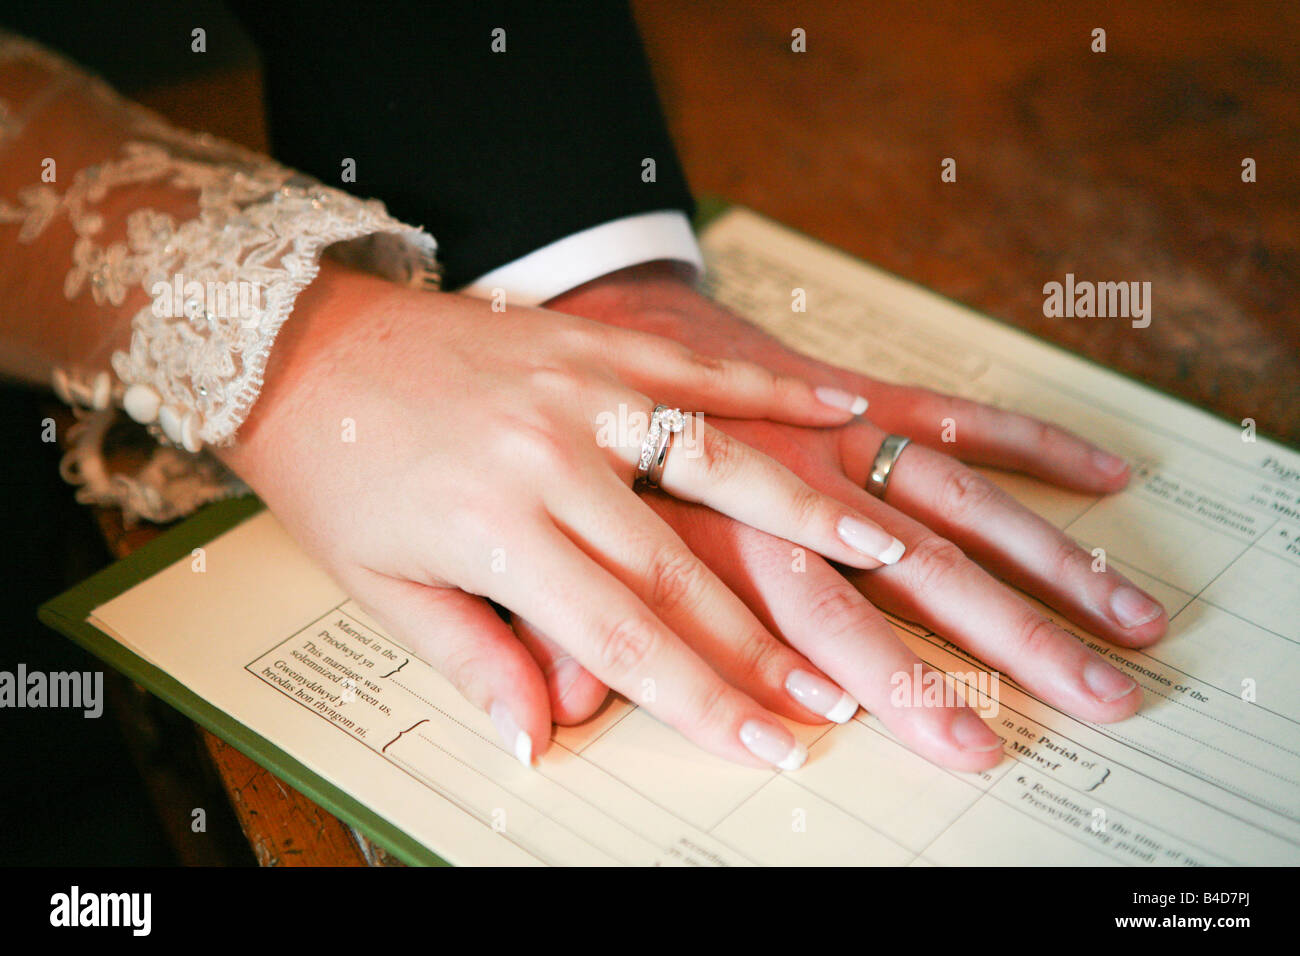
[262, 648]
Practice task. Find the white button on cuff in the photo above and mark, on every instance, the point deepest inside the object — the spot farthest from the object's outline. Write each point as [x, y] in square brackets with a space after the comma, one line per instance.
[190, 440]
[142, 403]
[170, 420]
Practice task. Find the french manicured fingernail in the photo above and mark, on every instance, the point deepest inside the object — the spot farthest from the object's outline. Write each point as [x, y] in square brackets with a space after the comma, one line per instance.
[838, 398]
[821, 696]
[1132, 608]
[516, 739]
[870, 539]
[972, 734]
[1106, 683]
[1107, 463]
[773, 743]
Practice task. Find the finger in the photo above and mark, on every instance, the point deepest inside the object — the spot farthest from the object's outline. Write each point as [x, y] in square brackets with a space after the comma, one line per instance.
[639, 549]
[939, 587]
[465, 640]
[734, 388]
[1024, 549]
[708, 466]
[984, 435]
[1021, 547]
[615, 637]
[575, 693]
[821, 614]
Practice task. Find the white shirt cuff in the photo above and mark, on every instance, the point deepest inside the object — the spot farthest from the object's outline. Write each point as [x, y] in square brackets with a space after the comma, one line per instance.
[569, 262]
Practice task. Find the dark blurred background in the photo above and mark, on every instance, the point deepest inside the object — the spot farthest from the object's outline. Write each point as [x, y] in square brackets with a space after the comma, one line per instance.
[117, 789]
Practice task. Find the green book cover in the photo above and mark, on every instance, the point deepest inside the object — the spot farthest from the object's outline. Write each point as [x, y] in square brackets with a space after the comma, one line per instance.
[69, 611]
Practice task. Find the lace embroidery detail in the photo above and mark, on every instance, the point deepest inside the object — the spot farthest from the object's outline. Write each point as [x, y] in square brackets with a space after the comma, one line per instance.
[258, 225]
[170, 485]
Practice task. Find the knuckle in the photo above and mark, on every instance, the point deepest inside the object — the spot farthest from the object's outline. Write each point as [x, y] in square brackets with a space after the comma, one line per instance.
[723, 456]
[674, 576]
[753, 376]
[932, 561]
[1046, 439]
[626, 647]
[708, 367]
[787, 387]
[970, 416]
[754, 656]
[1039, 436]
[460, 667]
[536, 442]
[713, 705]
[964, 494]
[1068, 561]
[582, 337]
[471, 520]
[558, 379]
[1036, 635]
[806, 506]
[657, 351]
[834, 608]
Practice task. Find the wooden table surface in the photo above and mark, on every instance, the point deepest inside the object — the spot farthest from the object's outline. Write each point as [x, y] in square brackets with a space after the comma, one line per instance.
[1116, 166]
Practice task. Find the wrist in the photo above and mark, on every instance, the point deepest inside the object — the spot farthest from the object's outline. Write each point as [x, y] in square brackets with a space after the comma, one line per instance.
[328, 322]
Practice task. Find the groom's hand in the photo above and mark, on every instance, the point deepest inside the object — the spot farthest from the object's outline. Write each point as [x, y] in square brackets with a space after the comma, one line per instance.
[948, 517]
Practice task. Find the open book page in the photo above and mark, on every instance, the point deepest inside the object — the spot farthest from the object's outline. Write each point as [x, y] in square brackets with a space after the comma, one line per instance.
[1208, 772]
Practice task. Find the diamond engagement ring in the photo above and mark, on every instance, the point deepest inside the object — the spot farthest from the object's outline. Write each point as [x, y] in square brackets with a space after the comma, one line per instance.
[664, 423]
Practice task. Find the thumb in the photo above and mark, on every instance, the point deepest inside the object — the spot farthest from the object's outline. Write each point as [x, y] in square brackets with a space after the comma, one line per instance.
[462, 637]
[574, 692]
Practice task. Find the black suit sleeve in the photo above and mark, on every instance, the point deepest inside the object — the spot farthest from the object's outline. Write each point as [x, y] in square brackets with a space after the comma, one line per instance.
[495, 153]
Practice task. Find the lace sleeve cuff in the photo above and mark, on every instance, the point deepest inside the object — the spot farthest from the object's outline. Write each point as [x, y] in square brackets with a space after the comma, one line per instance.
[220, 241]
[222, 285]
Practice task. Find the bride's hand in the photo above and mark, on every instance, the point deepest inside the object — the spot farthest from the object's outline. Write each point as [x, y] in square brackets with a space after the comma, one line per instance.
[427, 449]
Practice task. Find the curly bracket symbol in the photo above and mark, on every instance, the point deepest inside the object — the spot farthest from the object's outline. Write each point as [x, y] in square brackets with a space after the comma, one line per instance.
[396, 669]
[406, 731]
[1099, 782]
